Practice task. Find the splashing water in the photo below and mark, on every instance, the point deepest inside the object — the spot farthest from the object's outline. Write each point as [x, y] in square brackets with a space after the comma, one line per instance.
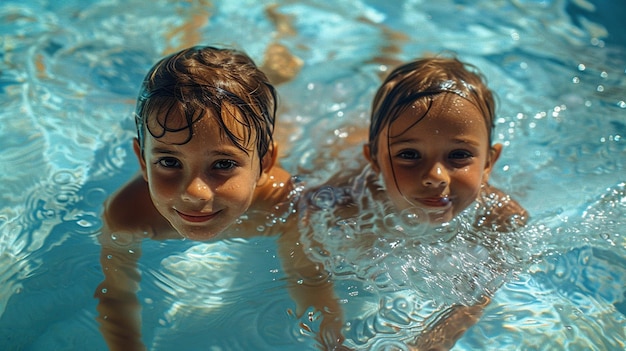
[69, 74]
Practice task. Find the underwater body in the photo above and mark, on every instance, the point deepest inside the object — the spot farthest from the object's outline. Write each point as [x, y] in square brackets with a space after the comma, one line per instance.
[70, 73]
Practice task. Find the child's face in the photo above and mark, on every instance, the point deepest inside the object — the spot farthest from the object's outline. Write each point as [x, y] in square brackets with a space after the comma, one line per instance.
[439, 163]
[203, 186]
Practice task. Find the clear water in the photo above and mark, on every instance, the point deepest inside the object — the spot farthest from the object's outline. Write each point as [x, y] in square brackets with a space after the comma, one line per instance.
[69, 72]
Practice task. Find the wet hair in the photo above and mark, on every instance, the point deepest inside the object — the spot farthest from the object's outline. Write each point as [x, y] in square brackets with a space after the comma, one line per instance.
[418, 82]
[208, 81]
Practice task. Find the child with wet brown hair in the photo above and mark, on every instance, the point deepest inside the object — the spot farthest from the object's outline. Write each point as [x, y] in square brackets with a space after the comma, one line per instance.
[429, 157]
[205, 122]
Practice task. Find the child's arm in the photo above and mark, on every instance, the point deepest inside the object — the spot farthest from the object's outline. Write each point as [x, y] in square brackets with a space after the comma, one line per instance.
[308, 282]
[310, 286]
[118, 306]
[447, 329]
[129, 217]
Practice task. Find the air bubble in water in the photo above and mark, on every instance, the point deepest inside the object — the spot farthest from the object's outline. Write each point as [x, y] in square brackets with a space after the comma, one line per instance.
[441, 233]
[63, 177]
[324, 198]
[413, 217]
[411, 221]
[122, 239]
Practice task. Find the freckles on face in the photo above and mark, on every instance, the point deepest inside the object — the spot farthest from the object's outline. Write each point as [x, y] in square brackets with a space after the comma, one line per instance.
[203, 186]
[438, 163]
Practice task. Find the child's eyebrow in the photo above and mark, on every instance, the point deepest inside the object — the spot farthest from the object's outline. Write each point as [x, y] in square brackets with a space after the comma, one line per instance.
[221, 152]
[160, 150]
[226, 153]
[469, 141]
[395, 140]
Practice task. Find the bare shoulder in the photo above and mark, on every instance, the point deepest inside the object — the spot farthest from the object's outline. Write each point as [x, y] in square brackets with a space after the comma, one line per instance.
[502, 212]
[272, 202]
[274, 192]
[130, 209]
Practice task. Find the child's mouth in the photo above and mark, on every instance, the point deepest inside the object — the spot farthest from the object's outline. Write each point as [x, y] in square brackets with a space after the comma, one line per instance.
[437, 203]
[197, 217]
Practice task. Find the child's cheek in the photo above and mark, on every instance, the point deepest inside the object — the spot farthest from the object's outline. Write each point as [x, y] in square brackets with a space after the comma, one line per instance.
[162, 188]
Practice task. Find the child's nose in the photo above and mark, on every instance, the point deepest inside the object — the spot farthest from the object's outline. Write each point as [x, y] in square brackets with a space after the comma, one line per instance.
[198, 189]
[436, 176]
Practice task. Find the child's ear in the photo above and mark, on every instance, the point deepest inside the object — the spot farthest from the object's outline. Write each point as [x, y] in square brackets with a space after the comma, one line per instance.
[368, 156]
[494, 155]
[268, 162]
[142, 162]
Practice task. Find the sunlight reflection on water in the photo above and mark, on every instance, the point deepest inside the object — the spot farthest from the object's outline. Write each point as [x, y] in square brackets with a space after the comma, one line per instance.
[68, 78]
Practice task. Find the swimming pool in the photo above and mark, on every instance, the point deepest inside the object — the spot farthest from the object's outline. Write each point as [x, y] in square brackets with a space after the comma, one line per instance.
[69, 75]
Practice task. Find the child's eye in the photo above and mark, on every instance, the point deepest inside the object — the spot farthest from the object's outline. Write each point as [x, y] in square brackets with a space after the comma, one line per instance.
[409, 155]
[168, 162]
[225, 164]
[460, 154]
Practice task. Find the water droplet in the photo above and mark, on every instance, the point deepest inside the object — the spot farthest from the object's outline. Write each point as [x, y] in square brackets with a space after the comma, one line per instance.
[48, 213]
[83, 223]
[62, 198]
[63, 177]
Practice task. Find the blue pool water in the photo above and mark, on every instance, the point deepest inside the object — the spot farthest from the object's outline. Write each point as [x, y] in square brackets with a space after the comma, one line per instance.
[69, 73]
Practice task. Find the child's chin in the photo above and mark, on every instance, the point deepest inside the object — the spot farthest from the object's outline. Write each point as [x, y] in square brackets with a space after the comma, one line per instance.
[200, 235]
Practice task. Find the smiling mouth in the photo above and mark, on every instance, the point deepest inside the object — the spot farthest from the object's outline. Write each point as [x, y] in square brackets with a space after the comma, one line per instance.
[436, 202]
[197, 218]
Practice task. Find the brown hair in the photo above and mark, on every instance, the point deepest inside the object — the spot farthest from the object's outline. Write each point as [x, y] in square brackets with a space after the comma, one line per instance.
[418, 82]
[201, 81]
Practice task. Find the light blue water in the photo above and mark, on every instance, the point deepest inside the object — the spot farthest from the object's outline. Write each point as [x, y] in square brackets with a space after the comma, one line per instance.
[69, 72]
